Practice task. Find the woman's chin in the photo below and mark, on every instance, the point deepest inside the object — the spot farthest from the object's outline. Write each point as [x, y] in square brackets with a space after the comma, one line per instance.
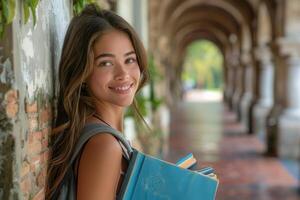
[125, 103]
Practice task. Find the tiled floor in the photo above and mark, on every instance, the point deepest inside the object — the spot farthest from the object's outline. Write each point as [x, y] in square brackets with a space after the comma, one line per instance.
[211, 132]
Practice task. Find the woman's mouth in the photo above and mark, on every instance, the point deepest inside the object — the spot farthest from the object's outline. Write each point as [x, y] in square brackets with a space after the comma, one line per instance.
[122, 89]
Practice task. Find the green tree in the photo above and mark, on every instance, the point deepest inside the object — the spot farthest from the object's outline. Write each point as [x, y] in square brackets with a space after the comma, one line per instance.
[203, 65]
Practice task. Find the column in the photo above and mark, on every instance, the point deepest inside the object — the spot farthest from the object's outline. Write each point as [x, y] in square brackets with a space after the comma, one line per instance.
[289, 126]
[229, 85]
[265, 97]
[238, 89]
[247, 95]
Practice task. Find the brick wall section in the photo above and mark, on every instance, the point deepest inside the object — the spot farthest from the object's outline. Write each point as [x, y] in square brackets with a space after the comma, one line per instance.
[34, 163]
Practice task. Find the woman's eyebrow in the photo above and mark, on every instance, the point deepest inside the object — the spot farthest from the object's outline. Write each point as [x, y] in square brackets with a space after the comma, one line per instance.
[112, 55]
[129, 53]
[104, 55]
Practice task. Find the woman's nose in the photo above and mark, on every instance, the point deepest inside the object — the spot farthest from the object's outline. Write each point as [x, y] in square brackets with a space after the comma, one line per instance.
[121, 72]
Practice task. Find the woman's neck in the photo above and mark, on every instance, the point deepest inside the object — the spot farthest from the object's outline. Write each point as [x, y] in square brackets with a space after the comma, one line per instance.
[112, 115]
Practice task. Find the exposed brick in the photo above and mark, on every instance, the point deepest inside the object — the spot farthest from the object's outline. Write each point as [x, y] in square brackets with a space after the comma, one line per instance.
[45, 116]
[42, 159]
[25, 168]
[12, 106]
[34, 147]
[46, 155]
[26, 185]
[41, 178]
[35, 136]
[32, 124]
[35, 162]
[31, 108]
[11, 96]
[46, 132]
[12, 110]
[40, 195]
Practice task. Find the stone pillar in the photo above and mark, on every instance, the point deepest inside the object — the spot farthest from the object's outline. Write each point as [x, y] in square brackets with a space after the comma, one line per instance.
[289, 126]
[238, 91]
[265, 97]
[279, 95]
[229, 85]
[248, 92]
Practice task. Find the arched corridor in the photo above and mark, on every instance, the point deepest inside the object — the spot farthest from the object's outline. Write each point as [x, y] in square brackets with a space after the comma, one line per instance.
[260, 44]
[251, 134]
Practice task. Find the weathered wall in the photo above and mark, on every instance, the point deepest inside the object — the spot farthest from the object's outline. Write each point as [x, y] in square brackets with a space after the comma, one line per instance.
[29, 57]
[8, 109]
[28, 68]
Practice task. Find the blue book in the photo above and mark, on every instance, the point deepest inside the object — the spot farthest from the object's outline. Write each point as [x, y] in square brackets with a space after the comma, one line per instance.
[187, 162]
[149, 178]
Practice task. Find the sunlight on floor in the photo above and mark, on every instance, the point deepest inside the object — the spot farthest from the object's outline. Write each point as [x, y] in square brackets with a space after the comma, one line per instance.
[198, 95]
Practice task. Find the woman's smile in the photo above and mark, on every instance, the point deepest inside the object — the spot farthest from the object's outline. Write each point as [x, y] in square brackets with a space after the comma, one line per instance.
[122, 88]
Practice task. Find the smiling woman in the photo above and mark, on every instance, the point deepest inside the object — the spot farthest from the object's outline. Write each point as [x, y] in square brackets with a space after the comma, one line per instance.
[116, 64]
[102, 66]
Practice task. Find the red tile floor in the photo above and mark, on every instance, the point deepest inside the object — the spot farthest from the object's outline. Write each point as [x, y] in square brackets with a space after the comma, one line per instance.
[211, 132]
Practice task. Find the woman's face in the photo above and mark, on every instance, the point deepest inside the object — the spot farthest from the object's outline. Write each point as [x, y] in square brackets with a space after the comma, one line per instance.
[116, 73]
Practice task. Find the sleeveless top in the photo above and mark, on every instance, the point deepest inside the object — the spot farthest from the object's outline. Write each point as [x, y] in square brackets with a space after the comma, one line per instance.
[118, 135]
[68, 187]
[125, 151]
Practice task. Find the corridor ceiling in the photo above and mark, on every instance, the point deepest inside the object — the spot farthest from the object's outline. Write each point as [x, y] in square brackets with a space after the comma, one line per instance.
[230, 24]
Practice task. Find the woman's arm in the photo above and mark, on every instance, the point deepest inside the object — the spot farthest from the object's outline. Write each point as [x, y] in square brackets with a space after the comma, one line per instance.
[99, 168]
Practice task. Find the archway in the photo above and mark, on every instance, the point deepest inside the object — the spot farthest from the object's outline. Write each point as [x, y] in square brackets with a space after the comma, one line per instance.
[202, 72]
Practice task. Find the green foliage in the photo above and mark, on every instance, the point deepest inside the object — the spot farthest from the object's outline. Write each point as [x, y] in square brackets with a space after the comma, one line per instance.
[78, 5]
[30, 6]
[155, 76]
[8, 7]
[142, 104]
[203, 64]
[7, 13]
[141, 99]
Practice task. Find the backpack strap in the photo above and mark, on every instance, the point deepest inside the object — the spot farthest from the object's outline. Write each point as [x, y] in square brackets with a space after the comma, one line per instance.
[93, 129]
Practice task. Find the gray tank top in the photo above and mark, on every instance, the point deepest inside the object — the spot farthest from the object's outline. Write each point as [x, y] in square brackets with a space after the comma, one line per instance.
[92, 129]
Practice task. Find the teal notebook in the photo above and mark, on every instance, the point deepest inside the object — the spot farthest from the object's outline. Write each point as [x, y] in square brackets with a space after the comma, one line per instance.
[149, 178]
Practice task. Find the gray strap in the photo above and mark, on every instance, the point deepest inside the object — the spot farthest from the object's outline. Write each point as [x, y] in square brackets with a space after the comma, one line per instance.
[93, 129]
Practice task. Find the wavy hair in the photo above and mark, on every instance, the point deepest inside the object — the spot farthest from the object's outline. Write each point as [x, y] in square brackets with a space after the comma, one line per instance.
[74, 104]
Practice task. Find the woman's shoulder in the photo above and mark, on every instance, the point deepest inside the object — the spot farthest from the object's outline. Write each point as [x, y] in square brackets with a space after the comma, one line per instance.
[103, 144]
[99, 167]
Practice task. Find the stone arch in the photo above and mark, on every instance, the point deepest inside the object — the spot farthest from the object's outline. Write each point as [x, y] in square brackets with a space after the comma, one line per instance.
[212, 34]
[264, 25]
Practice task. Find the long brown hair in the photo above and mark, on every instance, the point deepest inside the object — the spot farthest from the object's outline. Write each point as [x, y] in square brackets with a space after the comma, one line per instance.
[74, 103]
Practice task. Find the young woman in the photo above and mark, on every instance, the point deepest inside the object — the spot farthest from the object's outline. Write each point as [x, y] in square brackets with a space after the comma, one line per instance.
[102, 66]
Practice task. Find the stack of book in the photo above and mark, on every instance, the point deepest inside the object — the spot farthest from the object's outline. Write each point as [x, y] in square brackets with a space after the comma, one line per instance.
[149, 178]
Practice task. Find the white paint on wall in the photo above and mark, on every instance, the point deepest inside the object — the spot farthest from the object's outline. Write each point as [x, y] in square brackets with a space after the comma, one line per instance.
[38, 46]
[61, 17]
[27, 47]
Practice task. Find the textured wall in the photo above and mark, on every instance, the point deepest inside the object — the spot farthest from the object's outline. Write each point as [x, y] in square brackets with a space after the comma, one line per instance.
[8, 110]
[29, 57]
[28, 68]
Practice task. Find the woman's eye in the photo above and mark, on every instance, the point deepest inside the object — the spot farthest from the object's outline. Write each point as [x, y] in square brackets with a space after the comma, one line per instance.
[105, 64]
[130, 60]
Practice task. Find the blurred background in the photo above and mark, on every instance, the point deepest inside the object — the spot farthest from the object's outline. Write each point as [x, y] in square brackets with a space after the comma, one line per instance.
[225, 85]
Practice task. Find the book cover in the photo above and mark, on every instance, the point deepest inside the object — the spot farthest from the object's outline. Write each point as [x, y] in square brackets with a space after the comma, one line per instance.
[149, 178]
